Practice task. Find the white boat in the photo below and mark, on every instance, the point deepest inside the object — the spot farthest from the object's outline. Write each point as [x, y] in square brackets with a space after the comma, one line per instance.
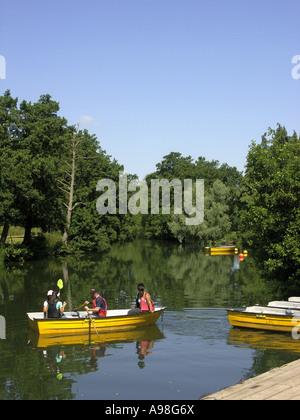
[284, 304]
[276, 316]
[273, 310]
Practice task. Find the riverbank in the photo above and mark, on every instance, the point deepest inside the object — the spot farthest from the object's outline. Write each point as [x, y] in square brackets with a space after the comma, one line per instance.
[281, 383]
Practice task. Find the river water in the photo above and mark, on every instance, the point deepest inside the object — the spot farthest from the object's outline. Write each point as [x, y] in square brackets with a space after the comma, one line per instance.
[190, 352]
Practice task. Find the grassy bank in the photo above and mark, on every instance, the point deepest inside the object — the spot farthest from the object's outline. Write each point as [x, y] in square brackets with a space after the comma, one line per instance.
[42, 244]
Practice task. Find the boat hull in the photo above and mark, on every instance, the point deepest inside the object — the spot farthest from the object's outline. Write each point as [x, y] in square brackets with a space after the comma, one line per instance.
[272, 322]
[221, 250]
[114, 321]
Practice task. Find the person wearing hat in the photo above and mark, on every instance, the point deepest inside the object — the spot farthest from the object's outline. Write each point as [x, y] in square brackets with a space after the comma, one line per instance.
[55, 307]
[46, 303]
[99, 304]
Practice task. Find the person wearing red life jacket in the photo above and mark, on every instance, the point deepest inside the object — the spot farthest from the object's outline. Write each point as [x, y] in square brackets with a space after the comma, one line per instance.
[143, 302]
[99, 304]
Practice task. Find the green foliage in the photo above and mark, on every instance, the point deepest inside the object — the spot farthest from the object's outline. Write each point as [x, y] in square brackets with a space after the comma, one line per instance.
[90, 231]
[270, 196]
[17, 253]
[222, 190]
[30, 142]
[36, 157]
[216, 222]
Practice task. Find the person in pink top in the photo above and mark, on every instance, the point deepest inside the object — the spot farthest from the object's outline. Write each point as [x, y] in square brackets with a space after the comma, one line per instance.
[143, 302]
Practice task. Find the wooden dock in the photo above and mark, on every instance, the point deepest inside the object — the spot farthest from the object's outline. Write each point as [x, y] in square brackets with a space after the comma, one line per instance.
[281, 383]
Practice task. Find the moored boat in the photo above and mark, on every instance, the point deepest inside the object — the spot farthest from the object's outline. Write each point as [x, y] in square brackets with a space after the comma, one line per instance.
[221, 250]
[294, 299]
[78, 322]
[284, 304]
[274, 318]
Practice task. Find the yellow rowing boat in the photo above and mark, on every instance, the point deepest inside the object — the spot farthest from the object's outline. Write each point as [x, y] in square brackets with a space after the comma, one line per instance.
[79, 323]
[221, 250]
[266, 318]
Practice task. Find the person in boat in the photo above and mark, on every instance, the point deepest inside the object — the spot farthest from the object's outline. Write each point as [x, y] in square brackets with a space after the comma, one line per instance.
[143, 302]
[55, 307]
[99, 304]
[46, 303]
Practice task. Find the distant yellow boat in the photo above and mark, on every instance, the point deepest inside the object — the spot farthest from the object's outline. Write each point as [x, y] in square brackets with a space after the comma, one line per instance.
[221, 250]
[277, 316]
[79, 323]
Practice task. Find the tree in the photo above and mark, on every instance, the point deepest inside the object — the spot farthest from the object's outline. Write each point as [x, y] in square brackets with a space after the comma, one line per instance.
[8, 125]
[176, 166]
[216, 222]
[67, 179]
[39, 142]
[88, 230]
[270, 195]
[31, 139]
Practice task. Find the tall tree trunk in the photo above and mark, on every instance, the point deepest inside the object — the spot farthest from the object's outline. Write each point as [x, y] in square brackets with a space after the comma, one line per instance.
[4, 233]
[71, 195]
[28, 227]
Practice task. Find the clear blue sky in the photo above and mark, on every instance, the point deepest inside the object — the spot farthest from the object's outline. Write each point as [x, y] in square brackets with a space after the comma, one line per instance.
[148, 77]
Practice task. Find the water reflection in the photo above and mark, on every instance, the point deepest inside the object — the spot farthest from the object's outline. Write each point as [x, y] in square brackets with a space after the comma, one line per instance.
[143, 349]
[53, 359]
[192, 350]
[90, 348]
[175, 276]
[263, 340]
[151, 332]
[271, 349]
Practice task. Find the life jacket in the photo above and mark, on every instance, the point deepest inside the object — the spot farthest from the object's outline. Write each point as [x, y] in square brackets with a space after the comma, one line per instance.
[53, 312]
[143, 304]
[102, 312]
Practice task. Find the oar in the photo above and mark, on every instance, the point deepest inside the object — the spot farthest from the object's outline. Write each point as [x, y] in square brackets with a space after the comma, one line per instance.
[60, 284]
[87, 310]
[79, 307]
